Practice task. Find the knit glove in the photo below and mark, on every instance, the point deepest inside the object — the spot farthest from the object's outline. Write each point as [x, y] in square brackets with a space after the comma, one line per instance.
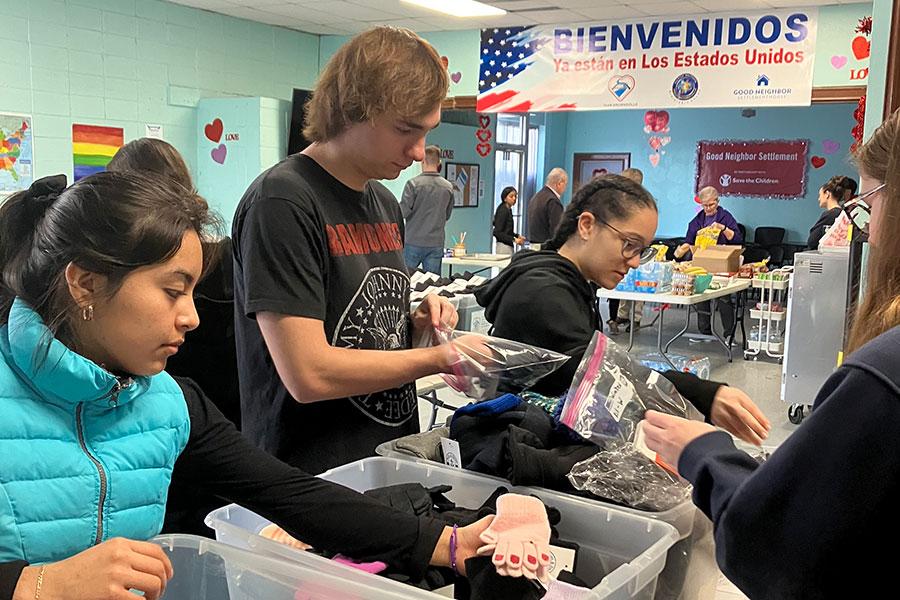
[519, 538]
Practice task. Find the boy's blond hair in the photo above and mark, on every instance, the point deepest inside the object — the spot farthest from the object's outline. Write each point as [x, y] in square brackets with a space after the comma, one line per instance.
[385, 69]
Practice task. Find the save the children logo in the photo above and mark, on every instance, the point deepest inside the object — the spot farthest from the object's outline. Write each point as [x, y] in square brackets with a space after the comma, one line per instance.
[376, 318]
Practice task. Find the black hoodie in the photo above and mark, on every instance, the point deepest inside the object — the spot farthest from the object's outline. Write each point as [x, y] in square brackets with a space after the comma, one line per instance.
[542, 299]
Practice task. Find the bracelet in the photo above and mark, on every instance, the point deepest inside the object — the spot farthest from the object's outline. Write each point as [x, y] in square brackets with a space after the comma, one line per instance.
[40, 582]
[453, 552]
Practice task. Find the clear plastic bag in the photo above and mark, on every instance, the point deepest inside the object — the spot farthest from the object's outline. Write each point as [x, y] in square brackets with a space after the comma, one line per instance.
[486, 364]
[606, 404]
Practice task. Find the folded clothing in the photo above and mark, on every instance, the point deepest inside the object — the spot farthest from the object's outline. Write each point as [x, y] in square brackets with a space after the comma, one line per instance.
[522, 444]
[425, 445]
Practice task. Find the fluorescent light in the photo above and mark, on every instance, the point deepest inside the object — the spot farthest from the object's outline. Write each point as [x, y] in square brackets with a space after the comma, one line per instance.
[459, 8]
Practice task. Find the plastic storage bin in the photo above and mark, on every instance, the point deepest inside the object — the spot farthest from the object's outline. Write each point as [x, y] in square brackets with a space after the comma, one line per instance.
[627, 550]
[208, 570]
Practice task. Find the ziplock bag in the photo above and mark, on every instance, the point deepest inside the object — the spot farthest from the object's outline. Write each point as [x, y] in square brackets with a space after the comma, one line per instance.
[606, 404]
[485, 364]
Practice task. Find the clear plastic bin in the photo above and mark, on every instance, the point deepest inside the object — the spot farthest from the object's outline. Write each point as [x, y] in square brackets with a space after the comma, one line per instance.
[626, 550]
[208, 570]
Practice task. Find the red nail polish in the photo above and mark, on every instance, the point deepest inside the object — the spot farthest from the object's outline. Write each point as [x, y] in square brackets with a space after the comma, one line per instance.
[514, 559]
[498, 557]
[545, 558]
[531, 560]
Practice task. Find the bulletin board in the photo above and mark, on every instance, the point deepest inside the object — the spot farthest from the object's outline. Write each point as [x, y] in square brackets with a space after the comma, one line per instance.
[465, 178]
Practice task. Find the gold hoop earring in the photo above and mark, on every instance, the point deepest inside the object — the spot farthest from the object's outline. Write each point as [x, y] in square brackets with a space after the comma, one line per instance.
[87, 313]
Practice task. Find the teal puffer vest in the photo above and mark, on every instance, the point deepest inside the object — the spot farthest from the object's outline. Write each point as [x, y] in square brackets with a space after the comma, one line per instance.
[84, 456]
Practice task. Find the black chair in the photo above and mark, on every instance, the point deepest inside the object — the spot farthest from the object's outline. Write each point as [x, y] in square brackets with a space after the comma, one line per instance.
[754, 254]
[743, 229]
[772, 240]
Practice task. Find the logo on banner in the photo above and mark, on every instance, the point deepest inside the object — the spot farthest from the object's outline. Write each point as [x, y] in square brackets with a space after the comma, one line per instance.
[685, 87]
[621, 86]
[762, 80]
[725, 180]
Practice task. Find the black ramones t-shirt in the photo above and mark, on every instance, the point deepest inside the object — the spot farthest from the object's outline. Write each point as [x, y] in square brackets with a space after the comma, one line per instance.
[307, 245]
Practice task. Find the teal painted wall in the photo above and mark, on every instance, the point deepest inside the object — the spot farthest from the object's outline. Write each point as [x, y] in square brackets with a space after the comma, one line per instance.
[881, 30]
[124, 63]
[835, 39]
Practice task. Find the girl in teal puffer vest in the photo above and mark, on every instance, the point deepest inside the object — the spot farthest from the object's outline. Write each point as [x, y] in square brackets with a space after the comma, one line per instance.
[95, 295]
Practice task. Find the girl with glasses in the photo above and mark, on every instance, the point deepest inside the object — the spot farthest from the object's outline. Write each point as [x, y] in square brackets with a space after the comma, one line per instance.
[804, 522]
[548, 298]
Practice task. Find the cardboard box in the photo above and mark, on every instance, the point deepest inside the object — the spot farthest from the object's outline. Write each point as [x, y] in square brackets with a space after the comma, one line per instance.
[718, 259]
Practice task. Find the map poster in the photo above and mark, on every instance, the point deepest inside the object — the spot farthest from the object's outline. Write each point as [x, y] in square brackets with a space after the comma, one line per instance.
[16, 153]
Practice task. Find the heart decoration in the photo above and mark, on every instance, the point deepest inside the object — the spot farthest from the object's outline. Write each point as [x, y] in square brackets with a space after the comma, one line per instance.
[213, 130]
[657, 120]
[818, 161]
[655, 143]
[861, 47]
[445, 61]
[697, 200]
[455, 77]
[654, 159]
[665, 140]
[219, 153]
[484, 121]
[483, 149]
[483, 135]
[838, 61]
[830, 146]
[620, 86]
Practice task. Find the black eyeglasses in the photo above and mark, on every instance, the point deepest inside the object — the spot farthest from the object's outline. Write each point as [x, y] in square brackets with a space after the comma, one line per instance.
[859, 209]
[632, 248]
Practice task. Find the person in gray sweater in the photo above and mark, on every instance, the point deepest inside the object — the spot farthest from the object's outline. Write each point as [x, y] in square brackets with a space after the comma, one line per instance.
[426, 205]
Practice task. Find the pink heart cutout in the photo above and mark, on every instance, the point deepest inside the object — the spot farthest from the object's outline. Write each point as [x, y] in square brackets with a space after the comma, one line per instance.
[655, 143]
[830, 146]
[838, 61]
[218, 154]
[455, 77]
[654, 159]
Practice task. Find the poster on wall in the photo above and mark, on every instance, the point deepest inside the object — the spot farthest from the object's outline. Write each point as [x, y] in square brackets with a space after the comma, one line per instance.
[93, 146]
[465, 178]
[753, 168]
[713, 60]
[16, 153]
[587, 166]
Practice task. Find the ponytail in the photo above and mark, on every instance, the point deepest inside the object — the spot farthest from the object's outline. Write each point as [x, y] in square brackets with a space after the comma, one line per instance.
[20, 218]
[607, 197]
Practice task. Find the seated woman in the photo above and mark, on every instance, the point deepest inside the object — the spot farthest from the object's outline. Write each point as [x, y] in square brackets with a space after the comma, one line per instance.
[503, 222]
[546, 298]
[835, 192]
[96, 295]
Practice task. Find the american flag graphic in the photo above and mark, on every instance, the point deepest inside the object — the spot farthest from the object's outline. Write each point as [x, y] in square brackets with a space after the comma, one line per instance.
[506, 53]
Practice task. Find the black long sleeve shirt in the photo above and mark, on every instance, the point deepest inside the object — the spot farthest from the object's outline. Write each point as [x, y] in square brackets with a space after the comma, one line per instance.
[219, 460]
[503, 225]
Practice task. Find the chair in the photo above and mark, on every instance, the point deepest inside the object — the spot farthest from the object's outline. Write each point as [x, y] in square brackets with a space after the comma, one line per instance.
[754, 254]
[743, 229]
[771, 239]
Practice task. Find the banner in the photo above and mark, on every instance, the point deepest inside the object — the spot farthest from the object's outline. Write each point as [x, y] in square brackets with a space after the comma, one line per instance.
[717, 60]
[759, 168]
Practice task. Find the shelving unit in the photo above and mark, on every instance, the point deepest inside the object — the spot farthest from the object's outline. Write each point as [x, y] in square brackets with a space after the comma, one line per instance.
[767, 322]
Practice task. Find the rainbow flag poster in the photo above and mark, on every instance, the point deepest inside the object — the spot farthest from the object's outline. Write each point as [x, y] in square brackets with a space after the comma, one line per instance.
[93, 146]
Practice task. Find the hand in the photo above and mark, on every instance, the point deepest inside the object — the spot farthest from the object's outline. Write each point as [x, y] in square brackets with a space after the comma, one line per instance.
[717, 227]
[735, 412]
[104, 572]
[668, 435]
[434, 312]
[277, 534]
[468, 541]
[520, 240]
[682, 250]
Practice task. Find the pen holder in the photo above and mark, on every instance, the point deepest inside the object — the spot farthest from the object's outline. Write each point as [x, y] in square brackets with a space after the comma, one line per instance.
[459, 250]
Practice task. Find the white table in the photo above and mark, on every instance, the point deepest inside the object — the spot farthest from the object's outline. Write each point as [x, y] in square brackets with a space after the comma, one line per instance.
[735, 286]
[501, 262]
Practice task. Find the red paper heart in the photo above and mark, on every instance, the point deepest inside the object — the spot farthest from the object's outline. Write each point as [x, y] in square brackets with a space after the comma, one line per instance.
[213, 130]
[483, 135]
[484, 121]
[818, 161]
[483, 149]
[697, 200]
[655, 143]
[445, 61]
[861, 47]
[656, 120]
